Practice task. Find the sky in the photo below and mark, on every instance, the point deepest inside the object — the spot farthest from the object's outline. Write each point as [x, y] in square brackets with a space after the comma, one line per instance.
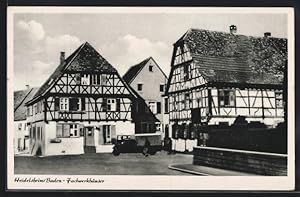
[123, 39]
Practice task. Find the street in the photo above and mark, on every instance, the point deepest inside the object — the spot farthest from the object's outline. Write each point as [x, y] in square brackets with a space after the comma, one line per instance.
[102, 164]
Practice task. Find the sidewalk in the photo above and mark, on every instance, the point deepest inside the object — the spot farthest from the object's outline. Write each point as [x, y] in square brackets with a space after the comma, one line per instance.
[207, 171]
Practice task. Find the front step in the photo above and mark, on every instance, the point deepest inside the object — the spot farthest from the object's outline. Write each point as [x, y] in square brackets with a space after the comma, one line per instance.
[89, 149]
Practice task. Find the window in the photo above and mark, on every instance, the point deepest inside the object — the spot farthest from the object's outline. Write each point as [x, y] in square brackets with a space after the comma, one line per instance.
[152, 107]
[111, 105]
[85, 79]
[104, 80]
[279, 99]
[161, 88]
[64, 104]
[187, 101]
[147, 127]
[166, 105]
[95, 79]
[118, 107]
[78, 79]
[75, 104]
[186, 71]
[226, 98]
[151, 68]
[107, 133]
[74, 130]
[158, 107]
[20, 126]
[35, 109]
[62, 130]
[140, 86]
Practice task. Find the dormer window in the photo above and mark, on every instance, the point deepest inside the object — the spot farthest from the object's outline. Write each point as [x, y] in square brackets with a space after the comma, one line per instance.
[151, 68]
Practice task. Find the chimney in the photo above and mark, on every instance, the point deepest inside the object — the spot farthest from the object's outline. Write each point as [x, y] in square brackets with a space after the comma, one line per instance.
[232, 29]
[62, 57]
[27, 87]
[267, 34]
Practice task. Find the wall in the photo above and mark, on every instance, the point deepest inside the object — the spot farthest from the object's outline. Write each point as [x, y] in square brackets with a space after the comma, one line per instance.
[122, 128]
[67, 146]
[151, 83]
[20, 134]
[245, 161]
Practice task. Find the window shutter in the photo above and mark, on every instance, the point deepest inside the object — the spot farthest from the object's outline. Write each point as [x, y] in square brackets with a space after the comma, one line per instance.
[83, 104]
[158, 106]
[104, 104]
[59, 130]
[118, 105]
[56, 101]
[113, 133]
[66, 130]
[101, 136]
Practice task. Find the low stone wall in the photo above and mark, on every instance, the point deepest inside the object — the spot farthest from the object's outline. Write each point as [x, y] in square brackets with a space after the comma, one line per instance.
[244, 161]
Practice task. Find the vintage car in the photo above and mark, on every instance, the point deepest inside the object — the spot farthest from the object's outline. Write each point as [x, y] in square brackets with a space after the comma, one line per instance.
[148, 143]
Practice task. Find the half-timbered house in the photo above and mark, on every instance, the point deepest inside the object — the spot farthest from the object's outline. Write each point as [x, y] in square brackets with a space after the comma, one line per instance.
[216, 77]
[82, 107]
[148, 80]
[21, 133]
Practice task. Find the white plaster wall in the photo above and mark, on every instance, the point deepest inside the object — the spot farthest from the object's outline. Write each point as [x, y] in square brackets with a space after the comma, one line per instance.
[20, 134]
[181, 145]
[67, 146]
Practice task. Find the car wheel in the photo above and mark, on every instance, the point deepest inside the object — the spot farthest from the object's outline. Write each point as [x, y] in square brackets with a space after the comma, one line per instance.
[116, 152]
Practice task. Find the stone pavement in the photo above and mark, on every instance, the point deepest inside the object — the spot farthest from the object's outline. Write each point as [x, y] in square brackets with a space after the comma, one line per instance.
[207, 171]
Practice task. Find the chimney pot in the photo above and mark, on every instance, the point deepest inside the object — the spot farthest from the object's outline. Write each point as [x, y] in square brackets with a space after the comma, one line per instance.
[27, 87]
[267, 34]
[232, 29]
[62, 57]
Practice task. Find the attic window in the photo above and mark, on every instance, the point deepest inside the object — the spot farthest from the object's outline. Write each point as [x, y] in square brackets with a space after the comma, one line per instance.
[151, 68]
[140, 86]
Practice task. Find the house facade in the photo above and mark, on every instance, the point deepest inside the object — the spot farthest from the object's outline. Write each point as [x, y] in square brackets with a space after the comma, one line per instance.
[21, 132]
[149, 81]
[82, 107]
[216, 77]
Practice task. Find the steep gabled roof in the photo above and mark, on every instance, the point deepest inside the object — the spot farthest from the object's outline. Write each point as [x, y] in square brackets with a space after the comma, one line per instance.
[134, 70]
[84, 58]
[20, 98]
[225, 57]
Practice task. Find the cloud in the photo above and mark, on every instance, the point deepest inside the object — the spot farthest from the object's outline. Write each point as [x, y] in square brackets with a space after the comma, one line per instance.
[36, 53]
[66, 42]
[129, 50]
[34, 29]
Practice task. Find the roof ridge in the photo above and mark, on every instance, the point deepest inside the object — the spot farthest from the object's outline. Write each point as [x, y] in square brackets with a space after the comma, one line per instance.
[235, 34]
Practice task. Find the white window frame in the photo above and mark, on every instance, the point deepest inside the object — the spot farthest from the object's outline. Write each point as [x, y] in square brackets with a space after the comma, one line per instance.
[111, 104]
[85, 79]
[64, 104]
[74, 130]
[152, 106]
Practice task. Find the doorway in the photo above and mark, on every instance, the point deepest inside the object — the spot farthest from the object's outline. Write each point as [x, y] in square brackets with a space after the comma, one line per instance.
[89, 136]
